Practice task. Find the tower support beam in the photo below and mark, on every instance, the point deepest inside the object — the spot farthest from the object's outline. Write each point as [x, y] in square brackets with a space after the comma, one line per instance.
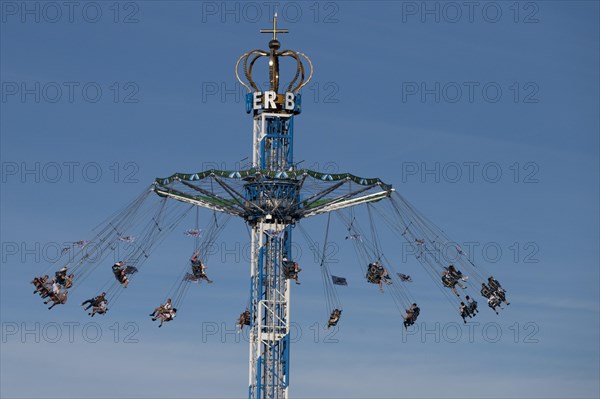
[269, 312]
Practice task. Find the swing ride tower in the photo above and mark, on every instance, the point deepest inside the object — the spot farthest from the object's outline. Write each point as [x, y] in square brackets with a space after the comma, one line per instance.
[272, 196]
[273, 137]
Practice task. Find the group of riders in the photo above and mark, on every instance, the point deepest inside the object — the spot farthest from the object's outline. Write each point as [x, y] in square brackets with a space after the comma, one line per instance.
[290, 271]
[54, 289]
[56, 292]
[377, 274]
[245, 318]
[494, 293]
[166, 312]
[451, 277]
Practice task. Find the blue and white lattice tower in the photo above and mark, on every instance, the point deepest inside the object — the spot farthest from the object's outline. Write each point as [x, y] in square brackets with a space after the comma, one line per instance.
[271, 197]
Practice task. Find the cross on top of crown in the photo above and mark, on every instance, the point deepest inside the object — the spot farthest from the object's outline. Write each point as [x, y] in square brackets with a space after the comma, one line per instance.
[274, 31]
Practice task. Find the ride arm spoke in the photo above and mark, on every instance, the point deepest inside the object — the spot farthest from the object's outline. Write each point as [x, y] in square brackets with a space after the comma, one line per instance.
[347, 200]
[183, 197]
[237, 196]
[213, 195]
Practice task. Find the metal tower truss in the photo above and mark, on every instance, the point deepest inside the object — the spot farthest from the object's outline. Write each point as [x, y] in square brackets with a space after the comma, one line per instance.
[270, 312]
[273, 139]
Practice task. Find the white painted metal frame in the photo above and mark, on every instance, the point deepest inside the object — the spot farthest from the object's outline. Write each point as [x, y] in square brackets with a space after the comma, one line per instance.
[259, 133]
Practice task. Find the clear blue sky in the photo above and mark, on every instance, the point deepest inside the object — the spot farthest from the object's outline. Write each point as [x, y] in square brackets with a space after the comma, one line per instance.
[98, 99]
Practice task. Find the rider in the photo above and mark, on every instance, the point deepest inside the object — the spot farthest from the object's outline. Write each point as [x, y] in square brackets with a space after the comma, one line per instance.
[95, 301]
[377, 274]
[61, 276]
[58, 298]
[198, 268]
[55, 287]
[161, 309]
[494, 302]
[46, 288]
[372, 273]
[120, 273]
[334, 318]
[291, 269]
[244, 319]
[99, 307]
[195, 261]
[449, 281]
[471, 305]
[69, 281]
[456, 276]
[411, 315]
[485, 291]
[497, 289]
[385, 276]
[494, 284]
[39, 283]
[464, 312]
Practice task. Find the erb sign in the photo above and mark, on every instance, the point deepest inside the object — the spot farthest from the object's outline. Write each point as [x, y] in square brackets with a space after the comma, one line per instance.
[271, 101]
